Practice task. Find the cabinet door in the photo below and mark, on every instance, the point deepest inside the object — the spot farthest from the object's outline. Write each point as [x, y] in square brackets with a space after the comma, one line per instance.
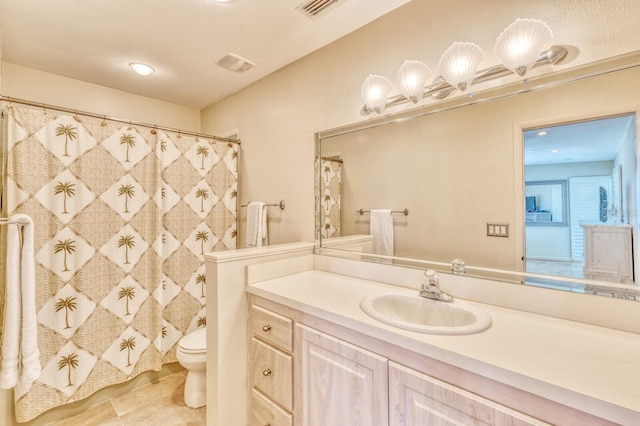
[608, 253]
[417, 399]
[338, 383]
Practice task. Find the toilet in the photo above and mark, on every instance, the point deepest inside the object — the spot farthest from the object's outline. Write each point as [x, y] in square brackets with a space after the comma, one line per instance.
[192, 355]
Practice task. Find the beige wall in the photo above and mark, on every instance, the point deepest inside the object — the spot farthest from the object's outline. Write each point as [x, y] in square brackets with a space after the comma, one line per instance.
[0, 60]
[38, 86]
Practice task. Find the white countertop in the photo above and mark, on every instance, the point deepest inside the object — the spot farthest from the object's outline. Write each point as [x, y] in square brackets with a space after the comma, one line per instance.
[590, 368]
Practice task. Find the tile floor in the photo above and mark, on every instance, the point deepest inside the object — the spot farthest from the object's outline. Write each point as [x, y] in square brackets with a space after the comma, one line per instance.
[159, 403]
[550, 267]
[557, 268]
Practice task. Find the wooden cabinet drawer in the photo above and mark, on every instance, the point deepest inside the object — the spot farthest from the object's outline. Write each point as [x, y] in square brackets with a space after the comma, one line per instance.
[264, 412]
[271, 327]
[271, 373]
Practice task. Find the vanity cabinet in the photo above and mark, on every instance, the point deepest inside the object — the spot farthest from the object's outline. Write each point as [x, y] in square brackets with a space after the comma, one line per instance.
[270, 368]
[340, 384]
[344, 384]
[418, 399]
[608, 253]
[345, 377]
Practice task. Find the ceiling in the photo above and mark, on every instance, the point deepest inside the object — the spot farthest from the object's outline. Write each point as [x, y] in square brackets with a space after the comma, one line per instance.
[581, 142]
[95, 41]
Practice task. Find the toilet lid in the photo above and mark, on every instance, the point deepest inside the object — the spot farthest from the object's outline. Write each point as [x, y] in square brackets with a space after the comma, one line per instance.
[196, 341]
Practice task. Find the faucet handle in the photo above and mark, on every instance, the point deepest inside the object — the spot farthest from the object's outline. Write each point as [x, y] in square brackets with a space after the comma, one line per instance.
[458, 266]
[431, 277]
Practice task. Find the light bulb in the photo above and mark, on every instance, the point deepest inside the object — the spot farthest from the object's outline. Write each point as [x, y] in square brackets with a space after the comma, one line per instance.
[375, 89]
[518, 47]
[412, 77]
[142, 69]
[458, 64]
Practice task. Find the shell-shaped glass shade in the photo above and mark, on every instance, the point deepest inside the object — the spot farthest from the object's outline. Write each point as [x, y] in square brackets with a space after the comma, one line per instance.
[458, 64]
[520, 44]
[375, 90]
[412, 77]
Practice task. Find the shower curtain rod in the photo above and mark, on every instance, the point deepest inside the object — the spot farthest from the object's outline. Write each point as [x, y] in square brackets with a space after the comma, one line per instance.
[117, 120]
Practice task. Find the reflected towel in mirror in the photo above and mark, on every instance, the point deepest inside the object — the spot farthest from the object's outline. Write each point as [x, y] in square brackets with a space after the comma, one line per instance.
[381, 227]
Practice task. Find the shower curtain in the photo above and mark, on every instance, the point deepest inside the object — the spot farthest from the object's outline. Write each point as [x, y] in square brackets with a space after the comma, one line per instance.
[330, 190]
[123, 215]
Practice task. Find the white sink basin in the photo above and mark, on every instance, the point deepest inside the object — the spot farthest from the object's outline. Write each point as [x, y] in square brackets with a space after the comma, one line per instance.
[415, 313]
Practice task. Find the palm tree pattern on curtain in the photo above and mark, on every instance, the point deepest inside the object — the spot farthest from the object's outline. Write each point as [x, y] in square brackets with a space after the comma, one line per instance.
[123, 216]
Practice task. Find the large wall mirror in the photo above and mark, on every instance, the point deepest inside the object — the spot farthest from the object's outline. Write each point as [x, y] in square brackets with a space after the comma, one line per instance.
[454, 172]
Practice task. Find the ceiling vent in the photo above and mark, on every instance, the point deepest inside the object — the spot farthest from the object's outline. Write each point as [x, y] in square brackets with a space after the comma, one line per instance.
[235, 63]
[314, 8]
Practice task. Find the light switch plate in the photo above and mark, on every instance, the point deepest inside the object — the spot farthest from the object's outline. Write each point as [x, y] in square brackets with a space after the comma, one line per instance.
[497, 229]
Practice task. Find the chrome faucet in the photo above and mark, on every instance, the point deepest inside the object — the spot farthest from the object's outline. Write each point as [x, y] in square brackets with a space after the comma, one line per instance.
[431, 287]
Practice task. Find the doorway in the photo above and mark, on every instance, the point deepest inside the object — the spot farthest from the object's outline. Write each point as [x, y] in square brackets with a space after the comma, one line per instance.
[576, 175]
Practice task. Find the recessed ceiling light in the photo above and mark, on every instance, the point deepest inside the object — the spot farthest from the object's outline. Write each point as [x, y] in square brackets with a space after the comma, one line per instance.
[554, 151]
[542, 133]
[142, 69]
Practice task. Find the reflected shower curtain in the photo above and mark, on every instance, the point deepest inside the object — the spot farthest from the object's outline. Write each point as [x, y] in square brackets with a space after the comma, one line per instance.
[123, 216]
[331, 190]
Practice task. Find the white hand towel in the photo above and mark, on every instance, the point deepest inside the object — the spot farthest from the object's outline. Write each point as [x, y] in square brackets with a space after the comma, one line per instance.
[11, 337]
[257, 233]
[381, 227]
[20, 354]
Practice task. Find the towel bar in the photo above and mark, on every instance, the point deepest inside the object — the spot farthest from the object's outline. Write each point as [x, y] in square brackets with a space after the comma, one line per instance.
[4, 221]
[280, 204]
[404, 212]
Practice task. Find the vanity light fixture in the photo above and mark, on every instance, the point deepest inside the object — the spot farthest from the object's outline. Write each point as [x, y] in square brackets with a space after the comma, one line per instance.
[140, 68]
[412, 77]
[519, 45]
[375, 90]
[459, 63]
[519, 48]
